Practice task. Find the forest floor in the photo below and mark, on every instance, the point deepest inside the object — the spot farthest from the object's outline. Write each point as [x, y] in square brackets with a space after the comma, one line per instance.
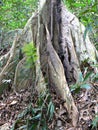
[12, 104]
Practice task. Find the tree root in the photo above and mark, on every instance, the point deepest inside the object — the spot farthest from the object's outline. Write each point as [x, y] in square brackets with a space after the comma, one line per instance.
[59, 56]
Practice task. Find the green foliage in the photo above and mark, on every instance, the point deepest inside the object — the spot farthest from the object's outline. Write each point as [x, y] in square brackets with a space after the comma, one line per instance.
[37, 117]
[94, 77]
[85, 82]
[31, 55]
[50, 110]
[82, 83]
[15, 13]
[87, 12]
[95, 121]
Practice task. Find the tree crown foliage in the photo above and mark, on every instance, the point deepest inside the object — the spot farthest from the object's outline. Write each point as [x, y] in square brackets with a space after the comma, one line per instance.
[15, 13]
[87, 12]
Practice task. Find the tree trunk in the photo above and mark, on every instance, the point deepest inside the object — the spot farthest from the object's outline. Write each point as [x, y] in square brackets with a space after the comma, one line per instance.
[61, 50]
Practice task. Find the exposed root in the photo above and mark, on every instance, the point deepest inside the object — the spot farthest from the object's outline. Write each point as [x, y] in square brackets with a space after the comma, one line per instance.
[11, 56]
[61, 55]
[58, 80]
[16, 77]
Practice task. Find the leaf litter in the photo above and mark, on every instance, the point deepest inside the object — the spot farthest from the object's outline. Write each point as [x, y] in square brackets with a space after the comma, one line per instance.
[11, 105]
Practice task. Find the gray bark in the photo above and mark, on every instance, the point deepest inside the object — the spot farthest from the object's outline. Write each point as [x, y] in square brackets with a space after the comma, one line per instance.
[61, 49]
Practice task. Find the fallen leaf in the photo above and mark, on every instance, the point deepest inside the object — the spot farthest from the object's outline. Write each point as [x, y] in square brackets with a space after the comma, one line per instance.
[13, 102]
[5, 126]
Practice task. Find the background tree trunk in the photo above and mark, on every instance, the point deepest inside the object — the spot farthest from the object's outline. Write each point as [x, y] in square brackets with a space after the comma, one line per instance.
[61, 50]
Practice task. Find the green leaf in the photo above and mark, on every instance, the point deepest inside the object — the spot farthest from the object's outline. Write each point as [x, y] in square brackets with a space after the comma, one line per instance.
[37, 117]
[44, 125]
[86, 86]
[95, 121]
[80, 77]
[34, 126]
[50, 110]
[96, 65]
[35, 110]
[25, 112]
[40, 101]
[79, 4]
[95, 77]
[75, 88]
[87, 76]
[31, 55]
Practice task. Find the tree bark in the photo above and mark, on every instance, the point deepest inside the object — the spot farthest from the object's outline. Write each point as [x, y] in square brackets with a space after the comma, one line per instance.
[61, 50]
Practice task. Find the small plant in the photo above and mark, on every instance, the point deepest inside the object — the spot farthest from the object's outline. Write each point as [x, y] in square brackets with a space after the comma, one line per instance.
[35, 118]
[31, 55]
[86, 81]
[95, 121]
[82, 82]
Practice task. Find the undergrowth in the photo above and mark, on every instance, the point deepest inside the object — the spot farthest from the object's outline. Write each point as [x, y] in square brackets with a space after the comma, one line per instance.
[35, 116]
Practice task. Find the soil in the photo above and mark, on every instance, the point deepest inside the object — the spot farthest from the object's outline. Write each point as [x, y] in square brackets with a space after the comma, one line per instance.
[12, 104]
